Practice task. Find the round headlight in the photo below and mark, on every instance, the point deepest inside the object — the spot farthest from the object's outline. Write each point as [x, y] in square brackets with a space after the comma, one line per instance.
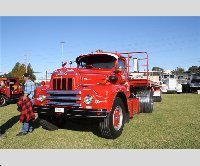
[88, 99]
[41, 98]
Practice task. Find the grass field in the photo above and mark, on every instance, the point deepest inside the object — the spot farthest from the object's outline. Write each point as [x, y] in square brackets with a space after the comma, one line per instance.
[174, 124]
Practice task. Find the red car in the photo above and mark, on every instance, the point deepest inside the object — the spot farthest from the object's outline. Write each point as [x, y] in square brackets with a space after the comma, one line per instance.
[10, 90]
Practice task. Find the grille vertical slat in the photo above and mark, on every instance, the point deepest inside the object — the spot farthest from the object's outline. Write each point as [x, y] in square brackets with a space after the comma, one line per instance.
[64, 84]
[69, 83]
[58, 84]
[54, 84]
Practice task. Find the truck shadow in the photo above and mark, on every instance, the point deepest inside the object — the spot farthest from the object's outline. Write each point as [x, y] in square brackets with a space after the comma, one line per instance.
[11, 122]
[36, 123]
[81, 125]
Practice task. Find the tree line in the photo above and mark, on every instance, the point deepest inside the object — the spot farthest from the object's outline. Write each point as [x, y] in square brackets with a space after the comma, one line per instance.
[178, 70]
[19, 70]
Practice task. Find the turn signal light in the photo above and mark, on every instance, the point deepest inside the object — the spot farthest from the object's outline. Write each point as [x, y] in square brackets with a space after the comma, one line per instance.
[104, 82]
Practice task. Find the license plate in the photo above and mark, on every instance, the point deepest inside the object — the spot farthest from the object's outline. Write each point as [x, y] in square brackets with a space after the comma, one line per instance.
[59, 110]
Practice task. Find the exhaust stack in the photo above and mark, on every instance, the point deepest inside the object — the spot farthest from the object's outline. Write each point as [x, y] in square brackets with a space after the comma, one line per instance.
[135, 65]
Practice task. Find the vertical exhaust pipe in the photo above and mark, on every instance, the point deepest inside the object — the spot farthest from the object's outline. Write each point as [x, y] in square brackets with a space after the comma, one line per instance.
[135, 65]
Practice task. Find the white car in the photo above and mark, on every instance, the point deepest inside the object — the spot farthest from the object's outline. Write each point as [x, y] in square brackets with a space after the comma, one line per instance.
[170, 84]
[194, 82]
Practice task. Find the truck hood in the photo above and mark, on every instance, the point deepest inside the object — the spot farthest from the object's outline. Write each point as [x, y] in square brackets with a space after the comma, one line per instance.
[74, 78]
[94, 76]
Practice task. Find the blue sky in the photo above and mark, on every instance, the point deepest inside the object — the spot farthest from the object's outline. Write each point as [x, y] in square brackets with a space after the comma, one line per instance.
[170, 41]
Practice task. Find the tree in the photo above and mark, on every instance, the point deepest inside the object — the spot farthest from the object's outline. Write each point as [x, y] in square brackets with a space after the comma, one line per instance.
[193, 69]
[31, 72]
[19, 70]
[178, 71]
[158, 69]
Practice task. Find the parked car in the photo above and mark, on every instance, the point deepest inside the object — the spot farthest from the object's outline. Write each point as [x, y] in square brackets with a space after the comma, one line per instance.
[194, 82]
[10, 90]
[183, 80]
[170, 84]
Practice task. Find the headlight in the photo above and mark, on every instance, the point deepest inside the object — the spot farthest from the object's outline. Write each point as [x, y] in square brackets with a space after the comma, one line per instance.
[88, 99]
[41, 98]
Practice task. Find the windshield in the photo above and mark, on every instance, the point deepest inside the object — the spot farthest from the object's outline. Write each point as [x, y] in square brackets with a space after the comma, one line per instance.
[97, 61]
[180, 77]
[196, 78]
[166, 76]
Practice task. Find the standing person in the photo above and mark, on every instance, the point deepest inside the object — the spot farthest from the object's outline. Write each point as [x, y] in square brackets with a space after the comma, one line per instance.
[2, 84]
[25, 103]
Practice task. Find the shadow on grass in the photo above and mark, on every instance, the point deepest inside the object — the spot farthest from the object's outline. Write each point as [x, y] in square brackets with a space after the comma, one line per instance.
[11, 122]
[85, 125]
[82, 125]
[36, 123]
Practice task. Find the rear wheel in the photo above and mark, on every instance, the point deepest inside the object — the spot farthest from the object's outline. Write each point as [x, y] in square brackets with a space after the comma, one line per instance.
[3, 100]
[111, 127]
[146, 101]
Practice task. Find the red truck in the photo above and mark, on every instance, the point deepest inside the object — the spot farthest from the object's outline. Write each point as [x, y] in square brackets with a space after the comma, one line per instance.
[10, 90]
[100, 87]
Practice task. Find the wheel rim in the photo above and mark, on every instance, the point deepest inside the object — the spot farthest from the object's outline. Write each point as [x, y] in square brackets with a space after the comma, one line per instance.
[2, 101]
[117, 118]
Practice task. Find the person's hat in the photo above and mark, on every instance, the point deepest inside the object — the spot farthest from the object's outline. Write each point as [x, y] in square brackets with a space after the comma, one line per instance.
[26, 75]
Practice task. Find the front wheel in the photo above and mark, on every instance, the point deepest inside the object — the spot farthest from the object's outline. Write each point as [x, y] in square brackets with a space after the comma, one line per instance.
[111, 127]
[3, 100]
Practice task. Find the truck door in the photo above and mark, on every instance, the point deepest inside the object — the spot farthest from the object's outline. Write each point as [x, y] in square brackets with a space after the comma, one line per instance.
[123, 72]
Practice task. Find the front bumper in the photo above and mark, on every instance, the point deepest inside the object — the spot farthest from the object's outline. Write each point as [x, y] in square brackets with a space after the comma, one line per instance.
[195, 86]
[73, 112]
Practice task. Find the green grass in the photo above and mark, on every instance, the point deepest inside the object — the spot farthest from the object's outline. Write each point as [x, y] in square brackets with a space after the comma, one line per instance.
[174, 124]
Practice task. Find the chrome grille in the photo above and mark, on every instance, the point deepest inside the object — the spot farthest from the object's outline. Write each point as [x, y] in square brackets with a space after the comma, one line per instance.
[64, 98]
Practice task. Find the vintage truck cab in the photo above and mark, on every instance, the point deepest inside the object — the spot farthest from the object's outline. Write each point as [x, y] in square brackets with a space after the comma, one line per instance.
[170, 84]
[10, 90]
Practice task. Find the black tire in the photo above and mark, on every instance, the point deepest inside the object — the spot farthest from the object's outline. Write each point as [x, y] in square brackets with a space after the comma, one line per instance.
[51, 122]
[112, 126]
[3, 100]
[184, 88]
[189, 90]
[157, 98]
[146, 101]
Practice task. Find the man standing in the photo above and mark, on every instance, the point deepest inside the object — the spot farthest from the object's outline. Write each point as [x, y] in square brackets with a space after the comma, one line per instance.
[25, 102]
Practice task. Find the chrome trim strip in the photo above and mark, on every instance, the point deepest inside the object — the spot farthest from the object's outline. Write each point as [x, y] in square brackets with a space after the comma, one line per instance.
[63, 104]
[62, 98]
[68, 92]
